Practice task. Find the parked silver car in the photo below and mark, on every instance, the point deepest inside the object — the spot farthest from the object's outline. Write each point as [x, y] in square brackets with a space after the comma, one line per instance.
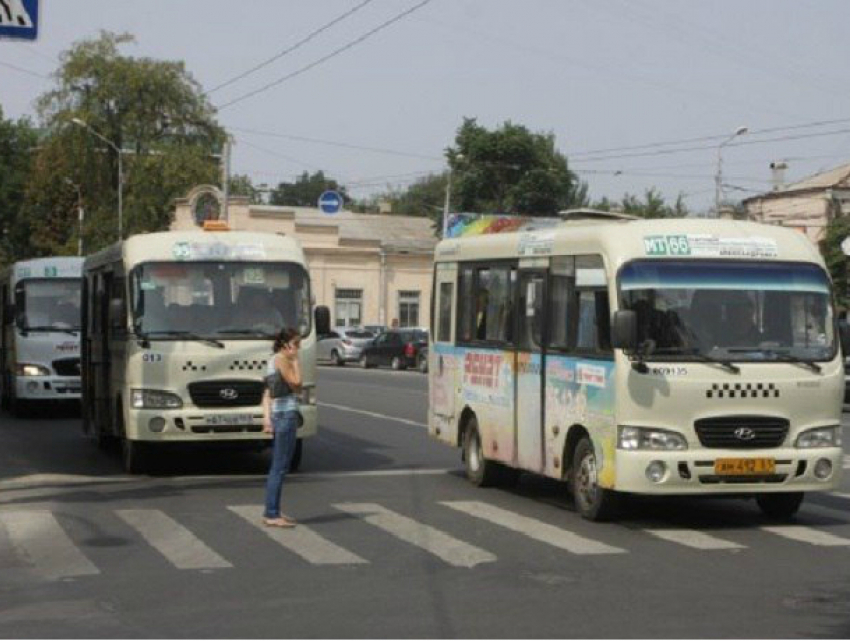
[343, 345]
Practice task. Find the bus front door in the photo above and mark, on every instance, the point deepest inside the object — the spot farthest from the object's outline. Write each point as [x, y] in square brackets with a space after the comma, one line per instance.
[530, 367]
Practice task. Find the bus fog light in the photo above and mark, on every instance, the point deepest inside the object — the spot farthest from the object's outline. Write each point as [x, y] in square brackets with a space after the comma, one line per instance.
[32, 387]
[823, 469]
[156, 424]
[655, 471]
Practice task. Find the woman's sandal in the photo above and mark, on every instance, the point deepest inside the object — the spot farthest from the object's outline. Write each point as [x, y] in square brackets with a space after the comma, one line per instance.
[279, 522]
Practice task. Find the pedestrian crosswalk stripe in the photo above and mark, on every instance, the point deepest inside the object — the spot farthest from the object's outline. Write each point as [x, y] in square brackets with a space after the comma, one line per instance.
[438, 543]
[846, 462]
[40, 539]
[301, 540]
[694, 539]
[532, 528]
[177, 544]
[807, 535]
[840, 495]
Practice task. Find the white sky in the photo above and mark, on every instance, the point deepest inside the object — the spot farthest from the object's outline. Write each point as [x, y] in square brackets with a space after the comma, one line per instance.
[598, 74]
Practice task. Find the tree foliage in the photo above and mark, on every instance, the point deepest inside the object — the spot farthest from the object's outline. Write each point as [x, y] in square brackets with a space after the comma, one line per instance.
[305, 190]
[152, 110]
[17, 142]
[511, 170]
[653, 205]
[837, 230]
[242, 185]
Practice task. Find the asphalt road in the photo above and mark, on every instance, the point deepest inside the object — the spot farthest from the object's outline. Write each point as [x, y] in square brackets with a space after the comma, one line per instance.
[393, 542]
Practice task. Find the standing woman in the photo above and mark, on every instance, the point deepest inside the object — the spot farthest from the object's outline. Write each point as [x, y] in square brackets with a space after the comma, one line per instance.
[280, 417]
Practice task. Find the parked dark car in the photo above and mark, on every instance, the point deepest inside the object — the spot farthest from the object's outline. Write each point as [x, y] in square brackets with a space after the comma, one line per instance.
[396, 348]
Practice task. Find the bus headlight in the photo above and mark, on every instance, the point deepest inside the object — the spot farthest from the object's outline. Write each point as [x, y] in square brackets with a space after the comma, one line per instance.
[649, 438]
[820, 437]
[308, 395]
[151, 399]
[29, 369]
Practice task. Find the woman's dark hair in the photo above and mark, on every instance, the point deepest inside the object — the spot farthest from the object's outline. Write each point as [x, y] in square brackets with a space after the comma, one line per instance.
[286, 335]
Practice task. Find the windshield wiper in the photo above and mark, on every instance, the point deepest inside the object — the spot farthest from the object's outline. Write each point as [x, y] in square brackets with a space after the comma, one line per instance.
[780, 356]
[51, 328]
[247, 332]
[189, 335]
[729, 365]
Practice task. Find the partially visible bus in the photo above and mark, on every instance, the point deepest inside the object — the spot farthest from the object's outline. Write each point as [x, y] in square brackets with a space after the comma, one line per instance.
[40, 337]
[662, 357]
[177, 334]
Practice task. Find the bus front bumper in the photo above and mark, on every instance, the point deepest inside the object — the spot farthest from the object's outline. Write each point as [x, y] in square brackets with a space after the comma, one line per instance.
[47, 388]
[698, 472]
[189, 425]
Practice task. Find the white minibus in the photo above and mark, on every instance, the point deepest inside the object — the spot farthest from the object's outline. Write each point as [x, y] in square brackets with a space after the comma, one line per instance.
[679, 356]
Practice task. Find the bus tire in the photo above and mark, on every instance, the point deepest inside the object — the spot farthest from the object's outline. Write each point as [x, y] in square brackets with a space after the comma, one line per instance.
[479, 470]
[19, 408]
[5, 393]
[781, 506]
[295, 461]
[592, 502]
[133, 456]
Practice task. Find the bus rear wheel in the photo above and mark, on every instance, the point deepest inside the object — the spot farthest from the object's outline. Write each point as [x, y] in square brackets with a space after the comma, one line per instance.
[781, 506]
[592, 502]
[479, 470]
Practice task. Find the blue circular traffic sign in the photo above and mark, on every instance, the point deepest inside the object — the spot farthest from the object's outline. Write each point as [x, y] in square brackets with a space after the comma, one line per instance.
[330, 202]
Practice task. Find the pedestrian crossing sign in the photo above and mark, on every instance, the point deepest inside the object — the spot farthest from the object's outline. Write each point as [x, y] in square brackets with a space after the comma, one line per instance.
[19, 19]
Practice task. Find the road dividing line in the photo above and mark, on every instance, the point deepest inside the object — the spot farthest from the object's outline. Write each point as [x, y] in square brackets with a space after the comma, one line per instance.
[695, 539]
[385, 417]
[183, 549]
[440, 544]
[39, 538]
[301, 540]
[807, 535]
[532, 528]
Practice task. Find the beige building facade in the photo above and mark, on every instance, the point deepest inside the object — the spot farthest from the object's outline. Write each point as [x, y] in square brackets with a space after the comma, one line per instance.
[367, 269]
[807, 205]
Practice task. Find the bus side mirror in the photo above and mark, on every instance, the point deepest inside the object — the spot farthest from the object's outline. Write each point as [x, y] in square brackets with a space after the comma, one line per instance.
[624, 333]
[323, 320]
[844, 337]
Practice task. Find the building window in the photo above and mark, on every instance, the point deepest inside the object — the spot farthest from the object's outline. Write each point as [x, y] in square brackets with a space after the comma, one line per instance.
[349, 307]
[408, 309]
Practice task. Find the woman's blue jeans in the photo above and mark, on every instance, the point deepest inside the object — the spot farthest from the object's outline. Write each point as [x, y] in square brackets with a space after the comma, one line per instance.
[285, 425]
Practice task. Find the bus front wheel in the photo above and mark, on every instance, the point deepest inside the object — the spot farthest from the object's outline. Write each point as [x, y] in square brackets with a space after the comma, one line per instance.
[133, 456]
[780, 506]
[479, 470]
[593, 502]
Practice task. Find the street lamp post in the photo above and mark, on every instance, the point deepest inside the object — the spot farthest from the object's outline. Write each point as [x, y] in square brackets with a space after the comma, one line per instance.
[718, 178]
[448, 202]
[91, 130]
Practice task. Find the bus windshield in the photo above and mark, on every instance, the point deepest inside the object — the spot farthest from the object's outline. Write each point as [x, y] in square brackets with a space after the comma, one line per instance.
[219, 300]
[735, 310]
[49, 304]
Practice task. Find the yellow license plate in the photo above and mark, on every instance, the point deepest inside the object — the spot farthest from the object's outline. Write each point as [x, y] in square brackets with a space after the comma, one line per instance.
[744, 466]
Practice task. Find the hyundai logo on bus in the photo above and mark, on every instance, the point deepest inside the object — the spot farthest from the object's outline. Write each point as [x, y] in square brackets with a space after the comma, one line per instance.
[745, 433]
[19, 19]
[228, 394]
[330, 202]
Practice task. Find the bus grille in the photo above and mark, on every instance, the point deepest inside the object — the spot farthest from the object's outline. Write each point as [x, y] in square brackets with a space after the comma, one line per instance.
[226, 393]
[726, 432]
[67, 367]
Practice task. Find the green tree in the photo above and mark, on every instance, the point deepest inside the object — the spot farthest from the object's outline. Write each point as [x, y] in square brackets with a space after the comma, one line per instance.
[511, 170]
[17, 143]
[305, 190]
[242, 185]
[152, 110]
[425, 197]
[837, 230]
[653, 205]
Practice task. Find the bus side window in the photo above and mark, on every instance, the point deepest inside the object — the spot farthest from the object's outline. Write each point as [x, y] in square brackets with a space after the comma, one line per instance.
[561, 305]
[593, 316]
[444, 327]
[465, 304]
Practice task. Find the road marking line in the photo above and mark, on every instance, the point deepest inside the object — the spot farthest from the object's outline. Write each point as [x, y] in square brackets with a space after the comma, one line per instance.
[532, 528]
[695, 539]
[301, 540]
[806, 534]
[846, 462]
[39, 538]
[385, 417]
[840, 495]
[438, 543]
[177, 544]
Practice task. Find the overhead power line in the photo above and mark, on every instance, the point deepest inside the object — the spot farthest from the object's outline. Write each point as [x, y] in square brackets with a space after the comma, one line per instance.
[291, 48]
[29, 72]
[327, 57]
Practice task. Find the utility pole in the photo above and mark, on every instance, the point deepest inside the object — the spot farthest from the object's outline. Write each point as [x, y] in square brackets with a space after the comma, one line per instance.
[225, 179]
[718, 177]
